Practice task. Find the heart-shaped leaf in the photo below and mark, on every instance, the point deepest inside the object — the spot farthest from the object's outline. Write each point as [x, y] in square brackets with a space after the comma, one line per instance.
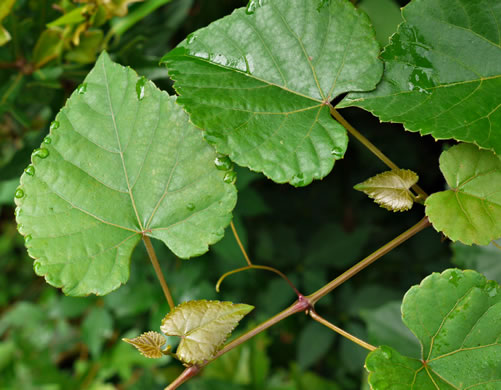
[149, 344]
[471, 210]
[260, 81]
[203, 327]
[121, 161]
[391, 189]
[456, 316]
[443, 72]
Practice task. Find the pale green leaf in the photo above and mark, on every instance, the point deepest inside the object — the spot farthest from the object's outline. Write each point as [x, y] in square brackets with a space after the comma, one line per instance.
[391, 189]
[470, 211]
[203, 327]
[443, 72]
[122, 161]
[456, 317]
[4, 36]
[259, 82]
[149, 344]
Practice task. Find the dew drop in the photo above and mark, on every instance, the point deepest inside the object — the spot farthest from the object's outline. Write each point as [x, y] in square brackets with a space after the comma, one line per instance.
[253, 5]
[41, 152]
[30, 170]
[230, 177]
[37, 267]
[223, 163]
[140, 87]
[19, 193]
[337, 153]
[191, 38]
[47, 140]
[323, 4]
[82, 88]
[386, 351]
[17, 212]
[27, 239]
[19, 227]
[190, 206]
[54, 125]
[298, 180]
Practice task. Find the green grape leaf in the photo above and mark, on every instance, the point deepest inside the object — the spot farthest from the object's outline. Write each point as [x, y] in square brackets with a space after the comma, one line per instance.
[470, 211]
[259, 82]
[121, 161]
[391, 189]
[443, 72]
[456, 318]
[203, 327]
[149, 344]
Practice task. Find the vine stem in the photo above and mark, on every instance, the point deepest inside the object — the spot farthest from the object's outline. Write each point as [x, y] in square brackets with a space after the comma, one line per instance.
[496, 244]
[372, 148]
[342, 332]
[158, 271]
[237, 238]
[188, 373]
[306, 304]
[316, 296]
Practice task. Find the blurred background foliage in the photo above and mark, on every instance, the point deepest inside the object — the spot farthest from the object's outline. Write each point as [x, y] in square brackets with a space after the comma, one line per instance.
[52, 342]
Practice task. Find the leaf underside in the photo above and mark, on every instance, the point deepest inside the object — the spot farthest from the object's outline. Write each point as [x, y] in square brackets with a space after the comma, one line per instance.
[203, 327]
[259, 84]
[149, 344]
[121, 161]
[470, 211]
[391, 189]
[456, 317]
[443, 72]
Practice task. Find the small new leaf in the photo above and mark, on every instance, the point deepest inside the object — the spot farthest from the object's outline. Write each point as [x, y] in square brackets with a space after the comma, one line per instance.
[203, 327]
[149, 344]
[390, 189]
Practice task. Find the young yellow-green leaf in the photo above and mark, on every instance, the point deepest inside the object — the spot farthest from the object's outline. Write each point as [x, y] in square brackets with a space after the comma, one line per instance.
[260, 80]
[443, 72]
[456, 317]
[121, 161]
[390, 189]
[203, 327]
[149, 344]
[470, 211]
[5, 8]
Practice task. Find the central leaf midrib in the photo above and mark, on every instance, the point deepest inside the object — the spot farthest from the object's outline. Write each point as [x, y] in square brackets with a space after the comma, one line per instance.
[119, 144]
[208, 323]
[251, 76]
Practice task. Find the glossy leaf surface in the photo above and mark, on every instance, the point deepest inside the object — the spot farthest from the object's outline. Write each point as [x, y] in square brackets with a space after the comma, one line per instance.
[455, 315]
[121, 161]
[203, 327]
[391, 189]
[443, 72]
[470, 211]
[259, 83]
[149, 344]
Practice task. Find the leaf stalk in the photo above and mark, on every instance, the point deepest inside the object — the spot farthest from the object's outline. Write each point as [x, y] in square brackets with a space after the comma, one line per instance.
[158, 271]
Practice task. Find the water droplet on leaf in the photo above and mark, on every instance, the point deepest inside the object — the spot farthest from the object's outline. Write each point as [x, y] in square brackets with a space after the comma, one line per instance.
[82, 88]
[47, 140]
[337, 153]
[191, 38]
[30, 170]
[298, 180]
[386, 351]
[253, 5]
[41, 152]
[19, 193]
[54, 125]
[223, 163]
[27, 239]
[37, 267]
[230, 177]
[190, 206]
[140, 87]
